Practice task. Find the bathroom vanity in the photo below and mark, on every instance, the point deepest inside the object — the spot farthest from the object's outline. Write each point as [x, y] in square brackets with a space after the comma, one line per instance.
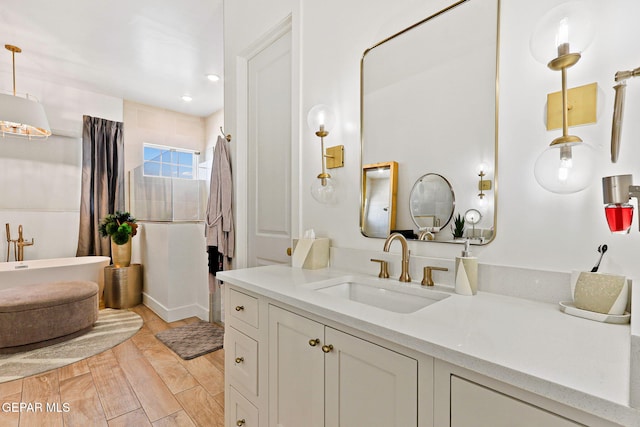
[328, 347]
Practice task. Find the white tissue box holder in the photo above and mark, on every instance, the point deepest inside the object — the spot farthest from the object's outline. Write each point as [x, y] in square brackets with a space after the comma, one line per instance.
[311, 254]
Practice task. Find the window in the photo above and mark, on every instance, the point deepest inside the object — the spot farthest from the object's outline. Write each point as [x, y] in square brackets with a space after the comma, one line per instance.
[169, 162]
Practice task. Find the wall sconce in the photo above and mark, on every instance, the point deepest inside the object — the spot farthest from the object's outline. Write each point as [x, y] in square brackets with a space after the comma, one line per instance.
[483, 184]
[565, 167]
[21, 116]
[616, 192]
[321, 120]
[618, 108]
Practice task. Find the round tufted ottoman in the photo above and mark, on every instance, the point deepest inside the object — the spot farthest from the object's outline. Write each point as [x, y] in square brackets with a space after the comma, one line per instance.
[33, 316]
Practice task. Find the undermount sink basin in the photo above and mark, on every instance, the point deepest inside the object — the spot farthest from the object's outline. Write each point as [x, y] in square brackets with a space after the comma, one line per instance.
[394, 296]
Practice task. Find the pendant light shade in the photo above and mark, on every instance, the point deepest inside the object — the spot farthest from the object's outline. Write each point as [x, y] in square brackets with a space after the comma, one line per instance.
[21, 116]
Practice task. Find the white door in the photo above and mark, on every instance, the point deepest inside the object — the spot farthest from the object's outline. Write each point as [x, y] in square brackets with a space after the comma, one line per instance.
[269, 154]
[296, 370]
[368, 385]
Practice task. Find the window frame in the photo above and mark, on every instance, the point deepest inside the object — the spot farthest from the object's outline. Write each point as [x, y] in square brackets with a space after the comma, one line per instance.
[171, 164]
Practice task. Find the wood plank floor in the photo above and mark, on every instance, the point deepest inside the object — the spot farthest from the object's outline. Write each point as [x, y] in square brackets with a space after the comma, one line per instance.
[137, 383]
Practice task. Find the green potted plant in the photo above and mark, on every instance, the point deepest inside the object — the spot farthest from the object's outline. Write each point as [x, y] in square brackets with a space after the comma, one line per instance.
[120, 227]
[457, 228]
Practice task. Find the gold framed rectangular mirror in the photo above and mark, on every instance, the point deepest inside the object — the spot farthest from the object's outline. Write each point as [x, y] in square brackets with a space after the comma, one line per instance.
[429, 100]
[379, 190]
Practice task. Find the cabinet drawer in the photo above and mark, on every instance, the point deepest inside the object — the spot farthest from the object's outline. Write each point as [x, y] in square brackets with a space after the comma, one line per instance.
[242, 352]
[241, 411]
[243, 307]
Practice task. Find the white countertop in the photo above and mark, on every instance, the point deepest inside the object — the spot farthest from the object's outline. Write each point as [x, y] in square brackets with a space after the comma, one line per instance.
[528, 344]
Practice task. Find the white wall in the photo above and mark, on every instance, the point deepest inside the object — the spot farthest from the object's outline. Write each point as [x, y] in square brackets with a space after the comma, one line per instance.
[175, 270]
[173, 255]
[152, 125]
[40, 180]
[535, 228]
[212, 126]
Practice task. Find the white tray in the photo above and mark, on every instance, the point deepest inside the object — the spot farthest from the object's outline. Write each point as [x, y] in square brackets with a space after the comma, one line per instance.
[568, 308]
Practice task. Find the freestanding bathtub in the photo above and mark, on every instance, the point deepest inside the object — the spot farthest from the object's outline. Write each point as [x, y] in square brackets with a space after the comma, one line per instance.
[52, 270]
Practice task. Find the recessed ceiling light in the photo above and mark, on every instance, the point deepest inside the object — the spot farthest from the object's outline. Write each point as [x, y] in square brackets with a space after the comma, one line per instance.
[213, 77]
[187, 98]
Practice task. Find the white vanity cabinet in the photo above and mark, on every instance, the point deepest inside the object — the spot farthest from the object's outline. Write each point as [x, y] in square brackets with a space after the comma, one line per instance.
[294, 357]
[475, 405]
[296, 370]
[320, 376]
[244, 391]
[467, 399]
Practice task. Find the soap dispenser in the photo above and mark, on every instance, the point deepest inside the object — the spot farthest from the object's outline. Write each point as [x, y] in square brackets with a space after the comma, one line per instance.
[466, 272]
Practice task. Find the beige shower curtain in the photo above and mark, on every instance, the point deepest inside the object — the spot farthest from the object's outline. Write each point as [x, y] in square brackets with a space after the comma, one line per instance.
[102, 181]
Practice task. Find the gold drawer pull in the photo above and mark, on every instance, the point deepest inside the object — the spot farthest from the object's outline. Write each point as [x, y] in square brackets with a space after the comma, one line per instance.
[240, 423]
[315, 342]
[239, 307]
[327, 348]
[239, 359]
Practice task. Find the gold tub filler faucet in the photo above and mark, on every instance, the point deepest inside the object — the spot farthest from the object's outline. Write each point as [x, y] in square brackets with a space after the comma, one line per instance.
[18, 244]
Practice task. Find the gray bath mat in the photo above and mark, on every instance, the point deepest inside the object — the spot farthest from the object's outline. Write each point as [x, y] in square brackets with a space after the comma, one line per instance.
[193, 340]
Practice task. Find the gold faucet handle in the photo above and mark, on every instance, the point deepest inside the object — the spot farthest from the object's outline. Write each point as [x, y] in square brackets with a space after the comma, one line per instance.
[384, 268]
[427, 277]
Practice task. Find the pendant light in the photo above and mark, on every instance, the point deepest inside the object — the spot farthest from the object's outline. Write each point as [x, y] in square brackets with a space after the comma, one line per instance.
[21, 116]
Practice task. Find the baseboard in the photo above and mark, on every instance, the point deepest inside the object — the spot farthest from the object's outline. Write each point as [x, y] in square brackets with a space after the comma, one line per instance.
[175, 313]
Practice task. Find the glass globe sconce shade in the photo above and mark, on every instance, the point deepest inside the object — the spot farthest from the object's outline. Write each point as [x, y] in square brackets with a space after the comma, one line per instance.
[565, 168]
[566, 29]
[325, 190]
[321, 118]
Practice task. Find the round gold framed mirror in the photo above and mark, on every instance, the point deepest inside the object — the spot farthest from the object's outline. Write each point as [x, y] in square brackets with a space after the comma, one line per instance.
[431, 202]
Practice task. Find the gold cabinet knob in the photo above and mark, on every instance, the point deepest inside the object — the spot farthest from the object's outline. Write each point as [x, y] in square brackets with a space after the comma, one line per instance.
[239, 359]
[327, 348]
[289, 251]
[239, 307]
[240, 423]
[314, 342]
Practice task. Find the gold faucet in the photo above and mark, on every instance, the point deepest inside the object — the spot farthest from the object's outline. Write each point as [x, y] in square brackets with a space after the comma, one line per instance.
[9, 242]
[427, 278]
[21, 244]
[404, 276]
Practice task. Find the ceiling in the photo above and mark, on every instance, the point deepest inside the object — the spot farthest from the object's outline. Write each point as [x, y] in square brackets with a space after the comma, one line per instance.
[147, 51]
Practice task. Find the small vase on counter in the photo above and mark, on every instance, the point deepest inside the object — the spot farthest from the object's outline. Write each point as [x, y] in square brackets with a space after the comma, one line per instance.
[466, 272]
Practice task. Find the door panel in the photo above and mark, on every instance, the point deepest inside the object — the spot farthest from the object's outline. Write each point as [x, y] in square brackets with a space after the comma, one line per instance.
[368, 385]
[296, 370]
[269, 154]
